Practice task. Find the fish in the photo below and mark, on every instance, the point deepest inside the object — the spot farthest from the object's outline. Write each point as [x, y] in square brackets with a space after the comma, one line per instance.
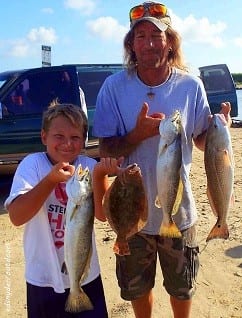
[78, 237]
[168, 166]
[219, 167]
[125, 206]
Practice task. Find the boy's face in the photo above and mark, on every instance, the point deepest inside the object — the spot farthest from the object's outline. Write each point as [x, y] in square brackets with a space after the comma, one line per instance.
[63, 141]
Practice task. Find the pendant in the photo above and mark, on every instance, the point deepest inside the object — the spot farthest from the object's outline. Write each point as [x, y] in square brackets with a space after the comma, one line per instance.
[151, 94]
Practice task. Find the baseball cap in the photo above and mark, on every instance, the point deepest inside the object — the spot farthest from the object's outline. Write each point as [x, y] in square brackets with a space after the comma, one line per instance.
[153, 12]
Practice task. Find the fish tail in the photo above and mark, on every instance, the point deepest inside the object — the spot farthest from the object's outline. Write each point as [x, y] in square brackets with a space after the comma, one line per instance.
[64, 268]
[170, 230]
[121, 248]
[218, 231]
[78, 302]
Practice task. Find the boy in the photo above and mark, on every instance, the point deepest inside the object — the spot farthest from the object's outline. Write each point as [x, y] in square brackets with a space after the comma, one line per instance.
[38, 200]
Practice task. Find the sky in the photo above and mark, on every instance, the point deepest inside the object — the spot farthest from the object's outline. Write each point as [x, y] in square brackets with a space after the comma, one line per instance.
[92, 31]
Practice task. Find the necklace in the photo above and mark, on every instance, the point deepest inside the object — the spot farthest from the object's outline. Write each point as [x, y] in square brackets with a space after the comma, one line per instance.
[151, 94]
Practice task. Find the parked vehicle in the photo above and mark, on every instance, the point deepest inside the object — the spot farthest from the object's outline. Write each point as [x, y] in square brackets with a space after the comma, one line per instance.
[220, 87]
[25, 94]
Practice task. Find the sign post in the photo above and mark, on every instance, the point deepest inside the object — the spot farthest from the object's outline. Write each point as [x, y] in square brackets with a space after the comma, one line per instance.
[46, 55]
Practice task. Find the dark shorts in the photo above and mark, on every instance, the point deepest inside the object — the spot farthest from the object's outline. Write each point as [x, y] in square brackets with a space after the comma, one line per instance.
[44, 302]
[178, 260]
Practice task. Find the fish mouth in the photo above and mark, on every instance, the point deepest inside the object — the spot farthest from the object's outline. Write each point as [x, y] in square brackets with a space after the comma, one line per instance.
[133, 168]
[81, 173]
[79, 170]
[176, 120]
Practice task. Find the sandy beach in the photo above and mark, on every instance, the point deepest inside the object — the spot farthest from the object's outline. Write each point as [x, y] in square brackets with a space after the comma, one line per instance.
[219, 283]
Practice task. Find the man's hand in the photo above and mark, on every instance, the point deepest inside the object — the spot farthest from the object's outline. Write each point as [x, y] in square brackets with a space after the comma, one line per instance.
[225, 109]
[146, 125]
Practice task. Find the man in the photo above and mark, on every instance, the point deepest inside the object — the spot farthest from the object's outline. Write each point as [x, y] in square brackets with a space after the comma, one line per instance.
[130, 106]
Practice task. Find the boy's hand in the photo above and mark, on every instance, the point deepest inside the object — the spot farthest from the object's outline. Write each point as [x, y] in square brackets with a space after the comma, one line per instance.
[61, 172]
[109, 165]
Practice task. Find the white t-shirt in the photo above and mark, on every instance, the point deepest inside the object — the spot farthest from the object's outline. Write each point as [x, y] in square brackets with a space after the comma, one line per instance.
[44, 233]
[118, 104]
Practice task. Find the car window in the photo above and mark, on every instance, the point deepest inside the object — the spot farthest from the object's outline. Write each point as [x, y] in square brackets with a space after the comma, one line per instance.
[216, 79]
[37, 91]
[17, 100]
[91, 82]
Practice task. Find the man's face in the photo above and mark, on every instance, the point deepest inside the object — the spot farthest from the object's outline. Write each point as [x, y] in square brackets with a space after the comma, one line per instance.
[150, 45]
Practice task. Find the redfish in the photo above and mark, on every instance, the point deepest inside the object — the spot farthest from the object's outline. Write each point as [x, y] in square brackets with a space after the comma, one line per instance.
[219, 166]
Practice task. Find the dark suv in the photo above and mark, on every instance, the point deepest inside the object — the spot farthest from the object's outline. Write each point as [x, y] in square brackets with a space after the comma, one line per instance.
[25, 94]
[220, 87]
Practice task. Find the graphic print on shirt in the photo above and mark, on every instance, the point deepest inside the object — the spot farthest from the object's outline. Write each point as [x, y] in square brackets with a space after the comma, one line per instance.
[56, 214]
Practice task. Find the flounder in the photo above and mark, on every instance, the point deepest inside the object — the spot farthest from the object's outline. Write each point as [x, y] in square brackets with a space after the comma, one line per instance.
[125, 206]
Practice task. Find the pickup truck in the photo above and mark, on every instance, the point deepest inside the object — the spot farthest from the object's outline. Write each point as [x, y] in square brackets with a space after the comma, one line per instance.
[25, 94]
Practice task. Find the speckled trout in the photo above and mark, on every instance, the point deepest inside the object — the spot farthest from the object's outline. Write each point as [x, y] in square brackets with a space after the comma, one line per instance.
[78, 237]
[169, 184]
[219, 166]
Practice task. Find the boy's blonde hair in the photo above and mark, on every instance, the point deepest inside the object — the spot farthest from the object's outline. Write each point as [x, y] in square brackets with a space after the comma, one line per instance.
[72, 112]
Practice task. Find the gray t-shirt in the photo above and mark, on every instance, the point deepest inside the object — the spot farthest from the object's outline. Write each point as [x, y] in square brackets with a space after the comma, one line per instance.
[118, 105]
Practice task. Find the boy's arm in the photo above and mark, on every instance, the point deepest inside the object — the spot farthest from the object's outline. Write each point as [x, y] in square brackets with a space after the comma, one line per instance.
[27, 205]
[106, 166]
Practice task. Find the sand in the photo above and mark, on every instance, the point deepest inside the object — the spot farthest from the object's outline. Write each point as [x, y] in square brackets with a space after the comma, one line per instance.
[219, 283]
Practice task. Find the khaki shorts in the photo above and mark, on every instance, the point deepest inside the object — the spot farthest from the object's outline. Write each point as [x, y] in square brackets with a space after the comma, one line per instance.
[178, 260]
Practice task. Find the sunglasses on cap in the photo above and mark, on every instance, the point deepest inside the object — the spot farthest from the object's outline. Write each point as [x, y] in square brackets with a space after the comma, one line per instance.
[156, 10]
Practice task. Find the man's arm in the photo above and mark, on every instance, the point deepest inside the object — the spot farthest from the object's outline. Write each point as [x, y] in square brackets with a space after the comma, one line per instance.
[146, 126]
[201, 139]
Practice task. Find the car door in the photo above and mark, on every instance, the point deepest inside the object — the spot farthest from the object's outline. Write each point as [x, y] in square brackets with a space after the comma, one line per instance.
[23, 103]
[220, 87]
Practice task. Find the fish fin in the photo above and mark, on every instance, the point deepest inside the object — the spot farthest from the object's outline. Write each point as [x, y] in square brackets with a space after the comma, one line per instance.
[73, 213]
[121, 247]
[178, 198]
[170, 231]
[157, 202]
[78, 302]
[183, 134]
[218, 231]
[232, 200]
[168, 228]
[141, 224]
[227, 158]
[87, 267]
[64, 268]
